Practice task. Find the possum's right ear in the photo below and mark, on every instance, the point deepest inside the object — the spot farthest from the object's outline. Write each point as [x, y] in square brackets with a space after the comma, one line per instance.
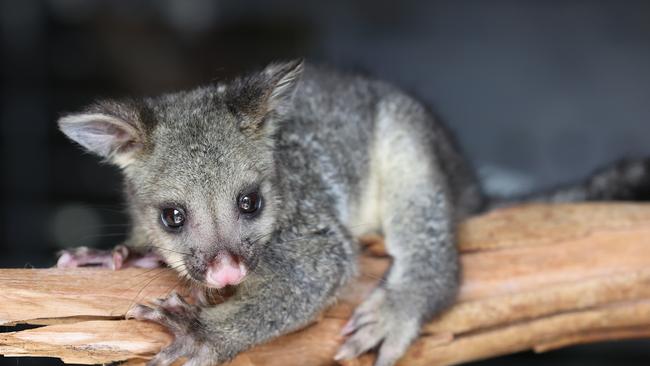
[261, 97]
[111, 130]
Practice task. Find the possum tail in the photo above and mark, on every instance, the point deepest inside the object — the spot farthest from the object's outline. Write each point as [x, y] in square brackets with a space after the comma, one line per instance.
[625, 180]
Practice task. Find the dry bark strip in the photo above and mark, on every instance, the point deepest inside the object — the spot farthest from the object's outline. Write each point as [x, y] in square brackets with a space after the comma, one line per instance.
[534, 277]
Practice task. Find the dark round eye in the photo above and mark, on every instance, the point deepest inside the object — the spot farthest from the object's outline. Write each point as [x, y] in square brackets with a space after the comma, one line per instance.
[249, 203]
[172, 218]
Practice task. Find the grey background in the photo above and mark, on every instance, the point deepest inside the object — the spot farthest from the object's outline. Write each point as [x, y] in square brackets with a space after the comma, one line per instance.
[538, 93]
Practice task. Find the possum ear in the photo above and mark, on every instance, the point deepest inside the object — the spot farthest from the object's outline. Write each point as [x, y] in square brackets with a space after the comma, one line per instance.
[109, 129]
[282, 80]
[264, 97]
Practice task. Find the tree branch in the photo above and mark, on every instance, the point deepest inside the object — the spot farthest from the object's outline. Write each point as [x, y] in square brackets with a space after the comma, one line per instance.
[536, 277]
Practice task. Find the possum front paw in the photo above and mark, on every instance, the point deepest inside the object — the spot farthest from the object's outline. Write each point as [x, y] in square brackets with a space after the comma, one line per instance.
[120, 257]
[183, 321]
[380, 319]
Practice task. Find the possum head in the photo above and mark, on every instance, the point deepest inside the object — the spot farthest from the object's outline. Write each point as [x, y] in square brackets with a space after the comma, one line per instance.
[198, 168]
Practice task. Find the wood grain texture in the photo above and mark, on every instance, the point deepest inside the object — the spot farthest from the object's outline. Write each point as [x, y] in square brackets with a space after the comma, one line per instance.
[535, 277]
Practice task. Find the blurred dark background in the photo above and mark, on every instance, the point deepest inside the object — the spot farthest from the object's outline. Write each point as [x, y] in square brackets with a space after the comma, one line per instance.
[538, 92]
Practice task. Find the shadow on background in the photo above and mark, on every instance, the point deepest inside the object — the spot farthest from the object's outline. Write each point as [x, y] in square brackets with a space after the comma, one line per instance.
[538, 92]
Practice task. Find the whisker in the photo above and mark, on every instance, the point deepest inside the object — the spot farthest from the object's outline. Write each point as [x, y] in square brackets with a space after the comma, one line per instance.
[93, 236]
[156, 276]
[161, 271]
[169, 250]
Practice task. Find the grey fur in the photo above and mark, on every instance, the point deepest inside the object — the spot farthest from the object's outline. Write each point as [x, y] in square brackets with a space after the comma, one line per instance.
[334, 156]
[624, 180]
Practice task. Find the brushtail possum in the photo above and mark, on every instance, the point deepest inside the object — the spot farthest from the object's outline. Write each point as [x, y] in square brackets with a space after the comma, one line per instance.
[263, 182]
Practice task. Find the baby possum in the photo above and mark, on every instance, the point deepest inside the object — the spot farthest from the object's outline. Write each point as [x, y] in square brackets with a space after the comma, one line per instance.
[265, 181]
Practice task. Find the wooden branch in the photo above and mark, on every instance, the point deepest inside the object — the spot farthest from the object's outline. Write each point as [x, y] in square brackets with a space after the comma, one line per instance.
[537, 277]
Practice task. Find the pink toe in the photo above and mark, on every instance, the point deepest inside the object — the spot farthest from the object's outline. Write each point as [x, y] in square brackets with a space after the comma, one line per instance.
[66, 260]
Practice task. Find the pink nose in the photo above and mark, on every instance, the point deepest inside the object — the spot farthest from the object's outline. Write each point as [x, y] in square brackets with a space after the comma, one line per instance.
[225, 270]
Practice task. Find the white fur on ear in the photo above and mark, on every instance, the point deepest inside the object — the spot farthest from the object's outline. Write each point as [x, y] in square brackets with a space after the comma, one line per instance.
[283, 78]
[103, 134]
[265, 96]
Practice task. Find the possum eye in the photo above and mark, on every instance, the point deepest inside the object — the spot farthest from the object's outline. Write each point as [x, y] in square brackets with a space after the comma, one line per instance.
[172, 218]
[249, 203]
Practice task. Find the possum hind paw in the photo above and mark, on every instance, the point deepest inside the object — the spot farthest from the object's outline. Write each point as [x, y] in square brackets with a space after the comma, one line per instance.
[120, 257]
[90, 257]
[379, 322]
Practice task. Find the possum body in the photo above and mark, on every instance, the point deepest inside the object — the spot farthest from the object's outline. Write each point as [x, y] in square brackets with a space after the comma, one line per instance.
[263, 182]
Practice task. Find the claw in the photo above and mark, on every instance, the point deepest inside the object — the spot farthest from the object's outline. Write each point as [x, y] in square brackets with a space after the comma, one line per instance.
[167, 356]
[343, 354]
[377, 322]
[141, 312]
[348, 328]
[119, 255]
[173, 303]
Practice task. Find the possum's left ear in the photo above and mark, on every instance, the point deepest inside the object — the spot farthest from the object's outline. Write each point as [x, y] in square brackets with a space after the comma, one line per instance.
[112, 130]
[282, 80]
[262, 97]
